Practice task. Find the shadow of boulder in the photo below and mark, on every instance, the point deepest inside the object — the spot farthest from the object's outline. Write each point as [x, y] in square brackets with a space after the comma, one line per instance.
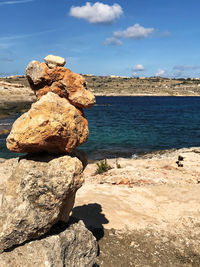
[93, 218]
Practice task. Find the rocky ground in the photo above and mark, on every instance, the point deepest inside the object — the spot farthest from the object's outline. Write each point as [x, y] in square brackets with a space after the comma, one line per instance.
[15, 95]
[147, 212]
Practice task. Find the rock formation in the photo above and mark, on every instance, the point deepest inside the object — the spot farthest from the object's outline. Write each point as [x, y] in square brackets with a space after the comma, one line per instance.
[73, 247]
[60, 81]
[56, 123]
[38, 190]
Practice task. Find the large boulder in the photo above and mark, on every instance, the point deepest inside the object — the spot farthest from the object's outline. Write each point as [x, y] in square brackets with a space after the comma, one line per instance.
[52, 124]
[73, 247]
[59, 80]
[35, 193]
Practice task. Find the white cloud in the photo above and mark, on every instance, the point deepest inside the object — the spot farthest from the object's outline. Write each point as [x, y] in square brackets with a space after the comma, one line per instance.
[134, 32]
[15, 2]
[98, 13]
[138, 67]
[161, 73]
[112, 41]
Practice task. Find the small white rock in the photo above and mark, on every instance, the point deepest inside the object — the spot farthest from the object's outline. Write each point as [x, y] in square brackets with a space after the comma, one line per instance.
[53, 61]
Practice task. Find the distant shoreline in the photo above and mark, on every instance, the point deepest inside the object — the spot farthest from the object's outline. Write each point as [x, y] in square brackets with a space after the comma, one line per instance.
[16, 95]
[144, 95]
[126, 86]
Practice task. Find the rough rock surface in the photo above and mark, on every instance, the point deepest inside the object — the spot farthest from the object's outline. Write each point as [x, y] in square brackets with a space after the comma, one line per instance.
[60, 81]
[53, 61]
[73, 247]
[52, 124]
[35, 193]
[156, 168]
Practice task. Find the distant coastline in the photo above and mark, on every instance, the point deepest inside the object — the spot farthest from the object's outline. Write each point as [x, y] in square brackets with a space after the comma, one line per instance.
[153, 86]
[16, 95]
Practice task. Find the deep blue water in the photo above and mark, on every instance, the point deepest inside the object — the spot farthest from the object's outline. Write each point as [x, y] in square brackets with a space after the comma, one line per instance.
[125, 126]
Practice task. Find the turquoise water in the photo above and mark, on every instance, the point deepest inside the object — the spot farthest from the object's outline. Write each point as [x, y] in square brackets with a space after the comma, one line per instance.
[127, 126]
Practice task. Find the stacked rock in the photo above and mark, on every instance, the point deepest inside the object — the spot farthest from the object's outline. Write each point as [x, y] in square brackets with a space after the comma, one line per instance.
[38, 190]
[56, 122]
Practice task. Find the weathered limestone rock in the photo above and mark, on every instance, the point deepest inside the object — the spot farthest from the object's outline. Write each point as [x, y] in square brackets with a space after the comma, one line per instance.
[60, 81]
[35, 193]
[52, 124]
[38, 72]
[73, 247]
[53, 61]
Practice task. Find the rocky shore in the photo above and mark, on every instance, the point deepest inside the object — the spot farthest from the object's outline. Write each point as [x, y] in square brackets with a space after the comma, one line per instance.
[148, 208]
[15, 97]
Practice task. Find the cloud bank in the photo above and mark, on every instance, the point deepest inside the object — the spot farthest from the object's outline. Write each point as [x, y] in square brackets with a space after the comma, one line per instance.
[97, 13]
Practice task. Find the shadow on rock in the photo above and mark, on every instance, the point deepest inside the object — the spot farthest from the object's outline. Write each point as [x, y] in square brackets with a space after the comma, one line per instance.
[47, 157]
[92, 217]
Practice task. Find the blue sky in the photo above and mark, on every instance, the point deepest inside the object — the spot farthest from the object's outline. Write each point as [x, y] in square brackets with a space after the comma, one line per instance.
[129, 38]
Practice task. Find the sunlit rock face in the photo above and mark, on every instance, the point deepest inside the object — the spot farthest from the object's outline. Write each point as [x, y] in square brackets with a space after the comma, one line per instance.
[59, 80]
[36, 192]
[52, 125]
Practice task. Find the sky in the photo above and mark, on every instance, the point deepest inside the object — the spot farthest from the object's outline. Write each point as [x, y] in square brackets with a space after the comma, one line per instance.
[125, 37]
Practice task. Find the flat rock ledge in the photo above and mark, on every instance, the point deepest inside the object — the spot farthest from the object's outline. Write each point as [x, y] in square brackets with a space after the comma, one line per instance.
[73, 247]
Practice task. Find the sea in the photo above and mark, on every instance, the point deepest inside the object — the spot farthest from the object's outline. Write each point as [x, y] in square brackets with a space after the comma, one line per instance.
[122, 126]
